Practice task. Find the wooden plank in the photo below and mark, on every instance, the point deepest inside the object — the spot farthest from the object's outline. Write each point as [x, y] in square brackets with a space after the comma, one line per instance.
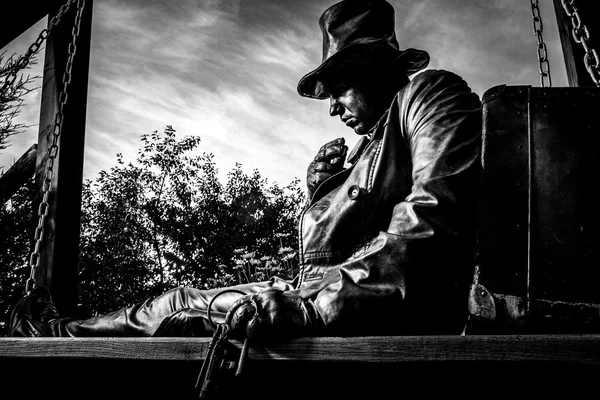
[60, 248]
[573, 52]
[307, 368]
[17, 174]
[582, 349]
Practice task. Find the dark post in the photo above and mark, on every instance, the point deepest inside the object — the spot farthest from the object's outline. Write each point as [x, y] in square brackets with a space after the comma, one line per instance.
[60, 249]
[573, 52]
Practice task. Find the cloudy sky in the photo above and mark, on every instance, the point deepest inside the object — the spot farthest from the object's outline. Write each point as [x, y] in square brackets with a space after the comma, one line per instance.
[227, 70]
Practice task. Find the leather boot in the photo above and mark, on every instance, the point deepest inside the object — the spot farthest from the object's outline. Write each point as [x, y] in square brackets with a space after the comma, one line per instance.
[30, 316]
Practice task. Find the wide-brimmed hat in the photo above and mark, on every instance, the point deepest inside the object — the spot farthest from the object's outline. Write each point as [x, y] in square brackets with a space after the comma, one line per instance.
[357, 32]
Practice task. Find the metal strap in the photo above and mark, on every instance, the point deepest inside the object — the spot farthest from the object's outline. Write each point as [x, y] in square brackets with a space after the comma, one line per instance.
[581, 35]
[542, 51]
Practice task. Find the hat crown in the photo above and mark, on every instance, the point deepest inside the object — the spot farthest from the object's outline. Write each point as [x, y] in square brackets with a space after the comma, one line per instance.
[357, 22]
[357, 33]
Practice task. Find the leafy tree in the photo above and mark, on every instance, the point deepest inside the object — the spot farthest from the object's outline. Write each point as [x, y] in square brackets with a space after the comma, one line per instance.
[16, 216]
[12, 97]
[16, 234]
[166, 221]
[133, 218]
[162, 221]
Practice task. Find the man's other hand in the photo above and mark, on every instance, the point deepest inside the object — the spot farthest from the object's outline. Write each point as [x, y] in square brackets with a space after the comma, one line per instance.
[329, 161]
[269, 314]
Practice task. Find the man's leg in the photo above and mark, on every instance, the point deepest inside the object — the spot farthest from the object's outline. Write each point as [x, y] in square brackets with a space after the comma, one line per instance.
[177, 312]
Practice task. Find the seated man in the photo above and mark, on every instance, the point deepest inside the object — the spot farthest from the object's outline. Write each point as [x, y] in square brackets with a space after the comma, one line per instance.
[386, 243]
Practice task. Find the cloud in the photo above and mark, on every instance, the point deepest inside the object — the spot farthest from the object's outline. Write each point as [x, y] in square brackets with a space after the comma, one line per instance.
[229, 77]
[488, 43]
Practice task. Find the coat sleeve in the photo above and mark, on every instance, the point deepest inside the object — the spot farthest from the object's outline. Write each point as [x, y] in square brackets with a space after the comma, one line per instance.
[412, 277]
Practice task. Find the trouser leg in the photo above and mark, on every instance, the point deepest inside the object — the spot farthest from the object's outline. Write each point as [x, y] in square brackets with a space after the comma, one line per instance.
[177, 312]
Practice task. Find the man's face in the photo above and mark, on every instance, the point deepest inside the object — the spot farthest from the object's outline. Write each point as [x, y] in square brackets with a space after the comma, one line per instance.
[358, 109]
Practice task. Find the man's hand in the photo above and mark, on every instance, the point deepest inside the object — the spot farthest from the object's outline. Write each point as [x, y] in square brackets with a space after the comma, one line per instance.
[328, 161]
[271, 313]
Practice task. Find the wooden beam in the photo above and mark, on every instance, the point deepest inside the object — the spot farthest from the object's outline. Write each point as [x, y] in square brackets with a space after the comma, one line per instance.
[16, 176]
[60, 250]
[573, 52]
[581, 349]
[315, 368]
[535, 366]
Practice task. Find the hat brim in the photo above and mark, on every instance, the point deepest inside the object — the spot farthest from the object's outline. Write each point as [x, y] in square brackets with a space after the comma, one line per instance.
[353, 57]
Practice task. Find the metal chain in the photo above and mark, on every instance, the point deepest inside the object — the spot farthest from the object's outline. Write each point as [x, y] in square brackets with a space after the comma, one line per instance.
[581, 34]
[24, 60]
[542, 52]
[35, 259]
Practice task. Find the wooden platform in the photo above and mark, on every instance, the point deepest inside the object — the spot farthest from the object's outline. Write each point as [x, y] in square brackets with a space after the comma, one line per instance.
[352, 367]
[583, 349]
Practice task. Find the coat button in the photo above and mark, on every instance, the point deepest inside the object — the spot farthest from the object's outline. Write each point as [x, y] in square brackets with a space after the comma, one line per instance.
[353, 192]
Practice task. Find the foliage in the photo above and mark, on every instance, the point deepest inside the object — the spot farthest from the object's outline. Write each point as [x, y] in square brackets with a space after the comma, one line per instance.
[164, 221]
[12, 98]
[16, 234]
[251, 267]
[16, 216]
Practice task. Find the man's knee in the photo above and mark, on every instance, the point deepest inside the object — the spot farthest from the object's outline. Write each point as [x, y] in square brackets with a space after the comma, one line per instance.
[188, 322]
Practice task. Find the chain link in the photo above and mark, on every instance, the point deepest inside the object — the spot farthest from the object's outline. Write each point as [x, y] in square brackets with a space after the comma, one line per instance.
[581, 35]
[44, 206]
[25, 59]
[542, 51]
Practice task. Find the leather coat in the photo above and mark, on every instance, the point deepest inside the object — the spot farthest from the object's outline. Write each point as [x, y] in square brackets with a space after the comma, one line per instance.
[387, 245]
